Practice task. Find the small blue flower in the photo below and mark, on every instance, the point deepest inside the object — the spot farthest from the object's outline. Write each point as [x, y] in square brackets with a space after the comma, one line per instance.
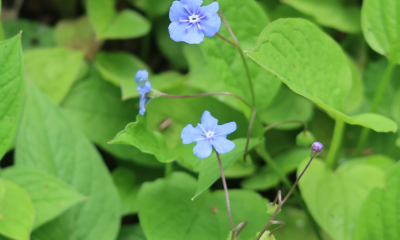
[316, 149]
[209, 134]
[144, 86]
[190, 22]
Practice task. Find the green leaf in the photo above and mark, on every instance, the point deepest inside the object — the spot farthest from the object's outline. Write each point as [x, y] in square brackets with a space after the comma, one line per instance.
[378, 218]
[210, 171]
[50, 196]
[53, 70]
[153, 8]
[18, 211]
[110, 24]
[301, 109]
[141, 136]
[225, 59]
[12, 81]
[267, 178]
[131, 232]
[331, 13]
[380, 161]
[396, 107]
[125, 181]
[311, 64]
[34, 34]
[77, 34]
[48, 142]
[204, 218]
[335, 198]
[94, 103]
[381, 28]
[240, 168]
[356, 93]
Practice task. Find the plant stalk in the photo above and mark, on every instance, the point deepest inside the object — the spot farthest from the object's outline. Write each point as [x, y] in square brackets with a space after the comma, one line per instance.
[335, 144]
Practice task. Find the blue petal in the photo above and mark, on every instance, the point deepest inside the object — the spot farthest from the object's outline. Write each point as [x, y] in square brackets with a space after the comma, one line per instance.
[178, 12]
[193, 6]
[177, 30]
[225, 129]
[141, 75]
[208, 122]
[210, 25]
[209, 9]
[202, 149]
[223, 145]
[142, 104]
[146, 88]
[189, 134]
[193, 35]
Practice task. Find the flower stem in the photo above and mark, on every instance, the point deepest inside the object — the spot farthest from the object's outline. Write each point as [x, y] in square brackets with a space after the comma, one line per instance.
[375, 104]
[264, 154]
[280, 203]
[228, 94]
[168, 169]
[241, 55]
[226, 40]
[335, 144]
[269, 127]
[228, 206]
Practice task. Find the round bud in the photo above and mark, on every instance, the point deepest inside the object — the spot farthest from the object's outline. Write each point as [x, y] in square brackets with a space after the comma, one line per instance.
[316, 149]
[304, 139]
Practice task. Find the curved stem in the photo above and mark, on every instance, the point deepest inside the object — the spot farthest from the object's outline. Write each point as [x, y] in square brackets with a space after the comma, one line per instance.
[228, 206]
[226, 40]
[335, 144]
[269, 127]
[375, 104]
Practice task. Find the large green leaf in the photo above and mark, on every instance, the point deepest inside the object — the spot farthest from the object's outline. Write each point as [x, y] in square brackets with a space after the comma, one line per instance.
[50, 196]
[125, 181]
[379, 218]
[110, 24]
[53, 70]
[12, 81]
[334, 198]
[331, 13]
[48, 142]
[226, 60]
[131, 232]
[396, 107]
[141, 136]
[18, 211]
[312, 65]
[95, 103]
[204, 218]
[153, 8]
[381, 28]
[210, 169]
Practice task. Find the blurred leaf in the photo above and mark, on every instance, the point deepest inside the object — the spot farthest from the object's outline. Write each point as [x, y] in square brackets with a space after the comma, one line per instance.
[320, 73]
[50, 196]
[356, 93]
[93, 104]
[18, 211]
[131, 232]
[153, 8]
[283, 11]
[125, 181]
[77, 34]
[378, 218]
[267, 178]
[141, 136]
[381, 28]
[172, 50]
[396, 107]
[301, 109]
[12, 81]
[305, 139]
[53, 70]
[48, 142]
[34, 34]
[240, 168]
[330, 13]
[335, 198]
[203, 218]
[380, 161]
[225, 59]
[110, 24]
[1, 26]
[210, 171]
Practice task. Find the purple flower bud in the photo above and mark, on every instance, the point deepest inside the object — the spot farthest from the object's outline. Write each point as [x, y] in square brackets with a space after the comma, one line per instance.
[316, 149]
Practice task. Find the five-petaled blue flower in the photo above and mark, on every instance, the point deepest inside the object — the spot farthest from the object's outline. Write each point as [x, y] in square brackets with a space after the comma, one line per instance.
[190, 22]
[144, 86]
[208, 134]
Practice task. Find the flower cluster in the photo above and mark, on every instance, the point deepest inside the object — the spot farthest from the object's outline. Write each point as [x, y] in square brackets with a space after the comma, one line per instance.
[144, 86]
[190, 22]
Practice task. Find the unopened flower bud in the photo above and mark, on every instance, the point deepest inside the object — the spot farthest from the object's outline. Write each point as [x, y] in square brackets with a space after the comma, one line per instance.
[316, 149]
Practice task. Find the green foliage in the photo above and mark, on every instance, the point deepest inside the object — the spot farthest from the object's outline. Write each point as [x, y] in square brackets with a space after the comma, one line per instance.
[125, 181]
[12, 81]
[133, 232]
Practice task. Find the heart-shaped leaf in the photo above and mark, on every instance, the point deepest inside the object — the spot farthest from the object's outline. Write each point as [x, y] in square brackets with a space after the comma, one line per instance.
[128, 189]
[311, 64]
[334, 198]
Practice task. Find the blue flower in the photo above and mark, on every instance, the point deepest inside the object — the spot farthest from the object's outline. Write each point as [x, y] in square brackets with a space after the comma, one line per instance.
[209, 134]
[144, 86]
[190, 22]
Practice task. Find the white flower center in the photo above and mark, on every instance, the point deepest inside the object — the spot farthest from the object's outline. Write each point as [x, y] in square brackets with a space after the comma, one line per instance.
[194, 18]
[209, 134]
